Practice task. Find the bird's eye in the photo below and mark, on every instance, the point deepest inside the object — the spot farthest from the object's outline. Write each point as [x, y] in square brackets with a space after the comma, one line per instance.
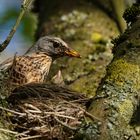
[56, 44]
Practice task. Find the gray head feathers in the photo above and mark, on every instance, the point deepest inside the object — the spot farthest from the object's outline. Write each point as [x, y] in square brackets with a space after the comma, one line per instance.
[53, 46]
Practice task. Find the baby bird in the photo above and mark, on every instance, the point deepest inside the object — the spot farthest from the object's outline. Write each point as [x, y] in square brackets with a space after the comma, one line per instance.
[35, 65]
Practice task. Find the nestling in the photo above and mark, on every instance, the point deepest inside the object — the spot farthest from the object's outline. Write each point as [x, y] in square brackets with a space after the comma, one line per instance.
[35, 65]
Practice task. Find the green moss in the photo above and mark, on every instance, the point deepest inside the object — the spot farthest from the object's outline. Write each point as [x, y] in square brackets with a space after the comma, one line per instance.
[96, 37]
[120, 87]
[123, 110]
[131, 13]
[121, 70]
[85, 86]
[118, 40]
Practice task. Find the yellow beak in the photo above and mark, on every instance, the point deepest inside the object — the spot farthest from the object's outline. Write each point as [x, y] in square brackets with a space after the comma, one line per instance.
[72, 53]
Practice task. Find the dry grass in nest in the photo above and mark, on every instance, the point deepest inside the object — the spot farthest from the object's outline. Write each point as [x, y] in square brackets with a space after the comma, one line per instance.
[45, 116]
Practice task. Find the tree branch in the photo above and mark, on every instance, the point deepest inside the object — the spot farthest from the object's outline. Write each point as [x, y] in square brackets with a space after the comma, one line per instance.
[25, 5]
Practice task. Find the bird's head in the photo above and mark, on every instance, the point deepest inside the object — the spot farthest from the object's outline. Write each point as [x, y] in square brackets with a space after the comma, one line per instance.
[54, 47]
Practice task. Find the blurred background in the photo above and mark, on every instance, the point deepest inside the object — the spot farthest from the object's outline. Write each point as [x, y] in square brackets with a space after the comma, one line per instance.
[24, 36]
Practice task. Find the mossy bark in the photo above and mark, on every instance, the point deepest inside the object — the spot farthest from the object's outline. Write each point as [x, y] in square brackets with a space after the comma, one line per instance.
[117, 99]
[88, 30]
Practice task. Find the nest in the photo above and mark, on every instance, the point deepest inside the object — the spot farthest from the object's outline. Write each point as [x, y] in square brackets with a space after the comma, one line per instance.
[46, 112]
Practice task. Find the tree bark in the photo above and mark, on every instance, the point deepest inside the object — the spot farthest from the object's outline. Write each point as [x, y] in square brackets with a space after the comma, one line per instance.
[117, 99]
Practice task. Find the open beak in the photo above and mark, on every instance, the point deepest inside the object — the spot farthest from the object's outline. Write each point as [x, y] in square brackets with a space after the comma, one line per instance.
[72, 53]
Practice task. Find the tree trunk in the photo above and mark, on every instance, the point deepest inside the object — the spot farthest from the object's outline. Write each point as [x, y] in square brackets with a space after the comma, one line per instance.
[117, 100]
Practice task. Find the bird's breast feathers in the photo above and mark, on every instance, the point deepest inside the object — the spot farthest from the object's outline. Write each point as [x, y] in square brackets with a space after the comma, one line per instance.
[28, 69]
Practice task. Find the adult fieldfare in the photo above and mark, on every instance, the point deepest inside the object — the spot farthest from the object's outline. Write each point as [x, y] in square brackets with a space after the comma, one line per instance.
[35, 65]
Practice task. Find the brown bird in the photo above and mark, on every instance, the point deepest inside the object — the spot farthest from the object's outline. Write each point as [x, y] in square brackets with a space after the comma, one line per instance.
[35, 65]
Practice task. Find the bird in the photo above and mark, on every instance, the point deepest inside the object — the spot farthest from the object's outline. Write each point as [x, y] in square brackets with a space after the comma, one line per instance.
[34, 66]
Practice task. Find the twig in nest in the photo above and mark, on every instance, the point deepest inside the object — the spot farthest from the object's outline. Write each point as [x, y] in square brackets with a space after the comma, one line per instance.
[29, 113]
[48, 107]
[34, 111]
[8, 131]
[12, 111]
[31, 137]
[80, 100]
[31, 116]
[85, 112]
[58, 115]
[64, 124]
[32, 107]
[23, 133]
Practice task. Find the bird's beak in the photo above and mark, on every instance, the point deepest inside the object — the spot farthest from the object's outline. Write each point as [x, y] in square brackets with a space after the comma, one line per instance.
[72, 53]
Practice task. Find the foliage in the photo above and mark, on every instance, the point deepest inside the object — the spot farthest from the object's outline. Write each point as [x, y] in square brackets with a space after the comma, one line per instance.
[28, 24]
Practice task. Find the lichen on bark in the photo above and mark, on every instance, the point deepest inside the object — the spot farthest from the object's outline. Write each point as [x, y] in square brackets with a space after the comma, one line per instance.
[118, 95]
